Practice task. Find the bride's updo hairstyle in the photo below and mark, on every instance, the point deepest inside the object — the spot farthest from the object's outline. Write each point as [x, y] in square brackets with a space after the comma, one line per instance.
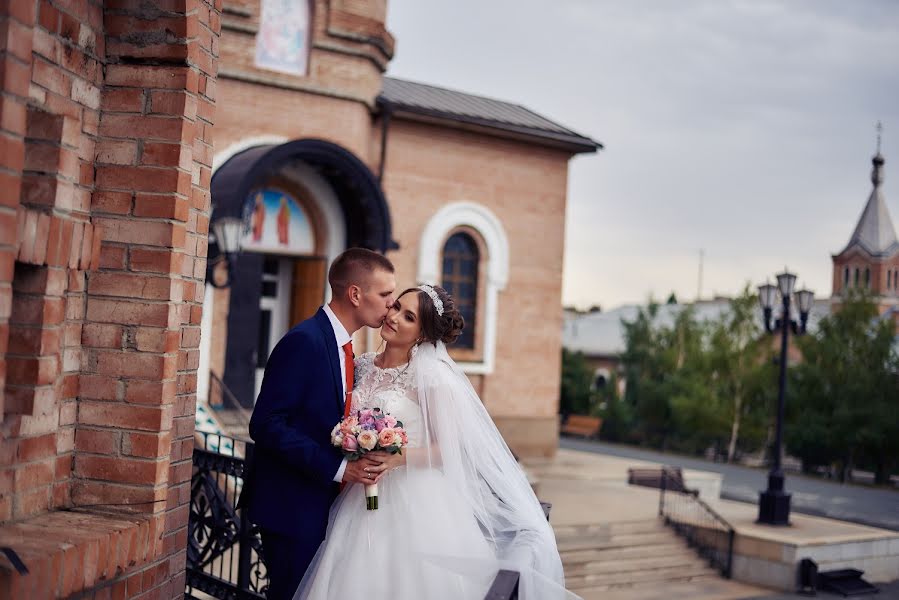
[435, 328]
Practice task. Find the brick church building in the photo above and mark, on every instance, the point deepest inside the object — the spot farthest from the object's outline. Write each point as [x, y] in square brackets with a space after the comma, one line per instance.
[133, 133]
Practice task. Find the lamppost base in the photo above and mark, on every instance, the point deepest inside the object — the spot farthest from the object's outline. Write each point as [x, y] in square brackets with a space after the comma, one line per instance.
[774, 508]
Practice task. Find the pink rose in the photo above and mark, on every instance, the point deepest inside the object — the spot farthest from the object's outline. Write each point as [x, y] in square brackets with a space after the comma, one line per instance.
[402, 434]
[350, 444]
[391, 421]
[387, 437]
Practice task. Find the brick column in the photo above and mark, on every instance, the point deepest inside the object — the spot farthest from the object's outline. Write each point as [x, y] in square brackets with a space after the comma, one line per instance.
[16, 22]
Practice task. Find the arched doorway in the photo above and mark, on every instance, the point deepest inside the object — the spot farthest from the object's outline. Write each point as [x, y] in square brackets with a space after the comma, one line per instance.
[303, 202]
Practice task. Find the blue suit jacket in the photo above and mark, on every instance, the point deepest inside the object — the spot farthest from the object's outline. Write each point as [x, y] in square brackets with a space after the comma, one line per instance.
[291, 485]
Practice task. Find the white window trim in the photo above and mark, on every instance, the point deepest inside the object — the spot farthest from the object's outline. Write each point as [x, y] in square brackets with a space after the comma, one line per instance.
[430, 265]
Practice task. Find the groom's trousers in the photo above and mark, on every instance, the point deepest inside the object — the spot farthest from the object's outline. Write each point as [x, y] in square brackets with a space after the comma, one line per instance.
[286, 559]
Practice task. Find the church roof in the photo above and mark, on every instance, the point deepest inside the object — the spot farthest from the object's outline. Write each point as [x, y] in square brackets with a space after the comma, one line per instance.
[431, 103]
[875, 233]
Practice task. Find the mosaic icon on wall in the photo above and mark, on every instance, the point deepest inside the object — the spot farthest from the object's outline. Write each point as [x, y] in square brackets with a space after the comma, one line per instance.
[282, 42]
[275, 222]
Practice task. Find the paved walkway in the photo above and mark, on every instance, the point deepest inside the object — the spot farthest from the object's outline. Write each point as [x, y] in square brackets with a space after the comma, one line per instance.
[877, 507]
[590, 488]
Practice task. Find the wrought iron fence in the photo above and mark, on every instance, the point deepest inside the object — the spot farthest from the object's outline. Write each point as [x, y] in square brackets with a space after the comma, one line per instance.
[703, 528]
[225, 558]
[224, 550]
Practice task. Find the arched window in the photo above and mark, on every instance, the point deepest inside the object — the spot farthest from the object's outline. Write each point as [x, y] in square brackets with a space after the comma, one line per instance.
[889, 279]
[460, 278]
[846, 277]
[867, 278]
[856, 276]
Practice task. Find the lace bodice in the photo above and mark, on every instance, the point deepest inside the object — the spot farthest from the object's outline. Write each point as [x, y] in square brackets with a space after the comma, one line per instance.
[392, 390]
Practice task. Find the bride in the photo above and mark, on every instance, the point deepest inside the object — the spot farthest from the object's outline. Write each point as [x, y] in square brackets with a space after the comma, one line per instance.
[454, 506]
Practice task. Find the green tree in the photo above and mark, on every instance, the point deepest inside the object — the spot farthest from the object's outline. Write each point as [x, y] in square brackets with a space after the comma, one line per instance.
[845, 391]
[577, 380]
[742, 377]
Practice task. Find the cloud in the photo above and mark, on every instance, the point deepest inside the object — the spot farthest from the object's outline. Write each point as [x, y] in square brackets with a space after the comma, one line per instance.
[742, 127]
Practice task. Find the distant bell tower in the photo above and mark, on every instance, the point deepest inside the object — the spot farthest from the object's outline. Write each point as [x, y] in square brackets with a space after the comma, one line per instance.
[871, 258]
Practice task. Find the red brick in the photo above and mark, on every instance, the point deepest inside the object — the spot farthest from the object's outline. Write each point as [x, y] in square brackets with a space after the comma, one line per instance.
[120, 470]
[12, 152]
[33, 475]
[168, 103]
[131, 364]
[134, 126]
[51, 77]
[150, 77]
[99, 387]
[111, 202]
[150, 392]
[164, 155]
[39, 189]
[127, 416]
[161, 206]
[146, 445]
[154, 339]
[127, 313]
[145, 179]
[27, 504]
[122, 100]
[99, 335]
[146, 233]
[42, 157]
[48, 18]
[32, 371]
[97, 441]
[117, 152]
[12, 116]
[131, 286]
[36, 448]
[16, 76]
[112, 257]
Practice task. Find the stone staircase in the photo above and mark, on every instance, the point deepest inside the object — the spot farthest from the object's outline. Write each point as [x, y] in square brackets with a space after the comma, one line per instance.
[626, 557]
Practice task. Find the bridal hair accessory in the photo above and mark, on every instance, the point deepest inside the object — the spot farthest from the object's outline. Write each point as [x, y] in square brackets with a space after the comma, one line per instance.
[438, 303]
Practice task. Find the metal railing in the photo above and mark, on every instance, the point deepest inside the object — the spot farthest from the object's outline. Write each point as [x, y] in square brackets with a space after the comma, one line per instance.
[703, 528]
[225, 557]
[224, 551]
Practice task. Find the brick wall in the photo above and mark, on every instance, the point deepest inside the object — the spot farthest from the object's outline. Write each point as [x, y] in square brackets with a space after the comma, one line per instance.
[107, 112]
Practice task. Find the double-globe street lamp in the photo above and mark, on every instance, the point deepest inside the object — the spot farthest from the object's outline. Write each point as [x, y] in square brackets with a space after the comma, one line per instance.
[774, 502]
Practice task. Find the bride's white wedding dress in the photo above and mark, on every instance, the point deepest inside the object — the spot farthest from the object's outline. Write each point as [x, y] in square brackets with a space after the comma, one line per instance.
[458, 511]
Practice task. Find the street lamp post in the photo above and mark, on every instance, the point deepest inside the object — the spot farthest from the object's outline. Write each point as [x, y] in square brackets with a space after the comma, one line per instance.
[228, 232]
[774, 502]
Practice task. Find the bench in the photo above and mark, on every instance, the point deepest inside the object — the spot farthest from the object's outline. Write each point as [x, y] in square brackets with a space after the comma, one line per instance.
[582, 425]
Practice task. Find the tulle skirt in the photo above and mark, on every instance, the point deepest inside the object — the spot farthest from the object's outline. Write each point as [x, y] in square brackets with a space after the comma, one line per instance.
[421, 542]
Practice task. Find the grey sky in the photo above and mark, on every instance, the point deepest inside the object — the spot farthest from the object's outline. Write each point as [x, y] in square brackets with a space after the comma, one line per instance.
[745, 128]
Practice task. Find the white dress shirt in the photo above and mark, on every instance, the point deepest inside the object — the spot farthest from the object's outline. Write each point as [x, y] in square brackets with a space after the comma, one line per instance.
[342, 337]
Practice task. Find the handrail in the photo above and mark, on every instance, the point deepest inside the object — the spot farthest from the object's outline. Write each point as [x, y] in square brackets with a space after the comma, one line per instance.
[699, 523]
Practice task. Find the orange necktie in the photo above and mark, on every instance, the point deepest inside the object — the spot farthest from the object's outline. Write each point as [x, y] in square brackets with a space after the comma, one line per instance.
[348, 361]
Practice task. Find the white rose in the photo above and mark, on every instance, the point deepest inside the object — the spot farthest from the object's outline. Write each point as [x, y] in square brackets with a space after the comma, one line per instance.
[368, 440]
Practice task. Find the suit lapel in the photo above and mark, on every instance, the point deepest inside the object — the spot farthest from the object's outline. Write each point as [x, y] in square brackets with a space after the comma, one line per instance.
[331, 346]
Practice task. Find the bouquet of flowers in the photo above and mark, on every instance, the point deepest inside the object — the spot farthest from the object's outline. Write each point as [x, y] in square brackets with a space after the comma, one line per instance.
[367, 431]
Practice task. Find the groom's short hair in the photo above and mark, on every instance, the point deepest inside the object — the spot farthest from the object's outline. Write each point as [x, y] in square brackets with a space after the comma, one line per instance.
[353, 266]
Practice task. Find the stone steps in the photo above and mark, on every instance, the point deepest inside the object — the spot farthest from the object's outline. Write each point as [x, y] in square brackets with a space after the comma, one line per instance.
[603, 557]
[607, 581]
[618, 541]
[581, 556]
[685, 559]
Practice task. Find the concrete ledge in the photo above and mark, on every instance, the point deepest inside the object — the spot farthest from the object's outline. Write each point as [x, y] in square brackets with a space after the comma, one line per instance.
[67, 552]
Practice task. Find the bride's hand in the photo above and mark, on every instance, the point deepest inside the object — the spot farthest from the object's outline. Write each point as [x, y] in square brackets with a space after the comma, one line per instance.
[391, 461]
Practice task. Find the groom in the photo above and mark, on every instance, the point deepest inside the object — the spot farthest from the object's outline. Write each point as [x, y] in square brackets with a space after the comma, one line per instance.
[296, 471]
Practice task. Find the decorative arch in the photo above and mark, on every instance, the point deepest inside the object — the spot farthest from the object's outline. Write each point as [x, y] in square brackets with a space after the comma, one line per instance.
[430, 268]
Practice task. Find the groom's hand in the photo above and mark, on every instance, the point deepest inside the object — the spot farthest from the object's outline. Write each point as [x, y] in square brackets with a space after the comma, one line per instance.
[364, 470]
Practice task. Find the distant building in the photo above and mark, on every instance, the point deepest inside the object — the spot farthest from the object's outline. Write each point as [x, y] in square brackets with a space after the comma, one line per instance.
[870, 260]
